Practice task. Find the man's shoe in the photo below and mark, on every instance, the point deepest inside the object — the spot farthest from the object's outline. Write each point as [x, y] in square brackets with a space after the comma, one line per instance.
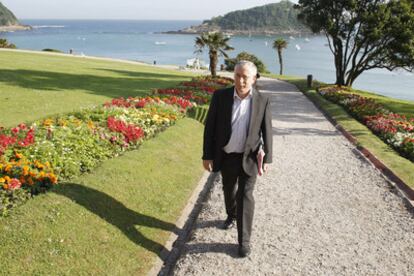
[244, 251]
[228, 223]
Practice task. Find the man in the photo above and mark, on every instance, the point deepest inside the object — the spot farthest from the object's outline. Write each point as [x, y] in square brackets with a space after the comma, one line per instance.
[238, 126]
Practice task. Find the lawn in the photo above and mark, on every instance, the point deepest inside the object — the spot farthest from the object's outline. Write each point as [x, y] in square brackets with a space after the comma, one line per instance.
[35, 85]
[116, 219]
[402, 167]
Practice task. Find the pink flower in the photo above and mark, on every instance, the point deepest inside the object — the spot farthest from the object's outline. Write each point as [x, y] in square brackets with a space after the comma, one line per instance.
[14, 184]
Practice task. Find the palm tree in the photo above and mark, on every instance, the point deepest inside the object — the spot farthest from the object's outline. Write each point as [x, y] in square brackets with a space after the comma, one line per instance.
[216, 43]
[280, 44]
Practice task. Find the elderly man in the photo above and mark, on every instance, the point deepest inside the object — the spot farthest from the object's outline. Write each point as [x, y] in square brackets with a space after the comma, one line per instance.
[237, 133]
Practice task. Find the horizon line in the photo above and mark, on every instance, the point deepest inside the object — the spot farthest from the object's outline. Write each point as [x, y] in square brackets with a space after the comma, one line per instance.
[112, 19]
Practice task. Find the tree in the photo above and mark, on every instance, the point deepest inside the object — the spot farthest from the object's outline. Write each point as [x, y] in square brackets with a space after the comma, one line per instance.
[363, 34]
[280, 44]
[216, 42]
[5, 44]
[231, 62]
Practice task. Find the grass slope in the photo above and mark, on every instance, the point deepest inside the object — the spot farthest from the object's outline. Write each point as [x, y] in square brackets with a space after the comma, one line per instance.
[115, 220]
[34, 85]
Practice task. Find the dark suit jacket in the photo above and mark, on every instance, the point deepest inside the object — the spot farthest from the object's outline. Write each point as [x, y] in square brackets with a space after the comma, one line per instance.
[217, 130]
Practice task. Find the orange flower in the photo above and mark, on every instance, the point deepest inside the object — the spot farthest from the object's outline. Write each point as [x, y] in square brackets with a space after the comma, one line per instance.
[53, 178]
[5, 186]
[8, 168]
[25, 170]
[7, 178]
[18, 155]
[30, 181]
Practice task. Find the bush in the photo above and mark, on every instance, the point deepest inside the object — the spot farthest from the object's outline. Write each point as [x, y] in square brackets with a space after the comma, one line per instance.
[231, 62]
[52, 50]
[5, 44]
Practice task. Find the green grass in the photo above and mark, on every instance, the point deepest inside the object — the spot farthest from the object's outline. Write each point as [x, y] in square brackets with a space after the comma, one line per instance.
[399, 165]
[34, 85]
[115, 220]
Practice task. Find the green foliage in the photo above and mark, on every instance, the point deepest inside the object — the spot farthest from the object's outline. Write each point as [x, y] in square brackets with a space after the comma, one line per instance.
[363, 35]
[198, 113]
[7, 17]
[277, 16]
[52, 50]
[231, 62]
[217, 44]
[12, 198]
[5, 44]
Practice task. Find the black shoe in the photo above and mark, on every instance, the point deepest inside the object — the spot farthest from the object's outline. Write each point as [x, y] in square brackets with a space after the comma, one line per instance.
[244, 251]
[228, 223]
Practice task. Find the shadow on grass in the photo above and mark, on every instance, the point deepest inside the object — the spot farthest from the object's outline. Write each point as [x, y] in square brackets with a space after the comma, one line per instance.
[134, 84]
[115, 213]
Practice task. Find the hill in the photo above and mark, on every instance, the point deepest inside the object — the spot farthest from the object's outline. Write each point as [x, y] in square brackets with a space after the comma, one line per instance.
[276, 18]
[8, 21]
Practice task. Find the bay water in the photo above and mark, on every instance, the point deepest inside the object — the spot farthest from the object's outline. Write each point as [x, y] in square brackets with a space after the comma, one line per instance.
[144, 40]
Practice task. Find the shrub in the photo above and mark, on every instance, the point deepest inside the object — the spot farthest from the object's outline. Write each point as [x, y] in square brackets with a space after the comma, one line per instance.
[231, 62]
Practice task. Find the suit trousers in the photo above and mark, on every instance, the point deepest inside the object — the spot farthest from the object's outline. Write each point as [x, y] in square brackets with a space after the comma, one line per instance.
[238, 194]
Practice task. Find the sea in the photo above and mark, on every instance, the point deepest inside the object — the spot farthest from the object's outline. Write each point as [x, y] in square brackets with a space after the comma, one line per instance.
[146, 41]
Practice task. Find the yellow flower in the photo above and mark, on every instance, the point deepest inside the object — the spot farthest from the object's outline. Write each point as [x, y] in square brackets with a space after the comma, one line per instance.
[91, 125]
[2, 180]
[48, 122]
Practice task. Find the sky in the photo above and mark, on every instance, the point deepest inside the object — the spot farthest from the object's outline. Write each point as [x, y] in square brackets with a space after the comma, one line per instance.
[127, 9]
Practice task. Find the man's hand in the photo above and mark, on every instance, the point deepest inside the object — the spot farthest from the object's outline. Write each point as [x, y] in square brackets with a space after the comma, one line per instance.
[208, 165]
[265, 167]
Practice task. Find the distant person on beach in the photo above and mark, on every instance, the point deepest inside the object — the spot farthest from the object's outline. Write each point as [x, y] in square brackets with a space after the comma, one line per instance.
[238, 143]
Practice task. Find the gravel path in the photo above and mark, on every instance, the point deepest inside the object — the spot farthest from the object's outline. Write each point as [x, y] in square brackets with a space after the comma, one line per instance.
[320, 210]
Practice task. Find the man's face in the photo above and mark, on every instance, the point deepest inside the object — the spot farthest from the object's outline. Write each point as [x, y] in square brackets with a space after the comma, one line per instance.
[243, 79]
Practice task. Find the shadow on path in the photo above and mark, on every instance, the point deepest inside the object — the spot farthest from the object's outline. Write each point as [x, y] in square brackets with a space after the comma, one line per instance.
[115, 213]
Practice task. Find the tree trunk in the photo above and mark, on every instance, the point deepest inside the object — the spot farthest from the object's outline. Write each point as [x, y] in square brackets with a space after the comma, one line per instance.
[279, 52]
[340, 72]
[213, 64]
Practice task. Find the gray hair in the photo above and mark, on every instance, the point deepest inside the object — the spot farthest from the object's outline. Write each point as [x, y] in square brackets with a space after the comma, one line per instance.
[248, 64]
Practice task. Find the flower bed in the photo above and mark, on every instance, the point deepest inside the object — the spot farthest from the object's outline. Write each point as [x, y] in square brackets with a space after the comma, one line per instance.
[394, 129]
[33, 158]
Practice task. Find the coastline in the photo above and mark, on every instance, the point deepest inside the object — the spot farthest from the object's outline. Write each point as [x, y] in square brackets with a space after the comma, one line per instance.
[197, 31]
[164, 66]
[12, 28]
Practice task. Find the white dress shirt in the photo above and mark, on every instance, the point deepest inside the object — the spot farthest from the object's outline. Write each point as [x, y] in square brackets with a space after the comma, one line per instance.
[240, 120]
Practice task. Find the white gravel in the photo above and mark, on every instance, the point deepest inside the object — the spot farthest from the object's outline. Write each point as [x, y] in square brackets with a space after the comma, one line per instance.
[320, 210]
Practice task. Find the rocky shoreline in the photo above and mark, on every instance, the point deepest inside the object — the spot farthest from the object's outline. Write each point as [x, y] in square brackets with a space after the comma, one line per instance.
[12, 28]
[195, 30]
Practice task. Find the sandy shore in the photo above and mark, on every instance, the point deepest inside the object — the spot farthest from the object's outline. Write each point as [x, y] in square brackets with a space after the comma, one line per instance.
[13, 28]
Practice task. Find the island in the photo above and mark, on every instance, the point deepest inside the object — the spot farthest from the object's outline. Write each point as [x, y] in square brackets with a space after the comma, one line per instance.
[270, 19]
[9, 22]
